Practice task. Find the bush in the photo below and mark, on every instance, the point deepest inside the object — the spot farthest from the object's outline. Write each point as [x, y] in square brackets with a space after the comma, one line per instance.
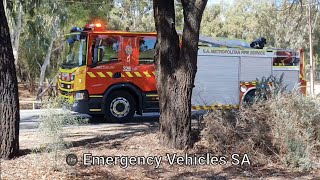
[243, 131]
[52, 124]
[285, 127]
[295, 124]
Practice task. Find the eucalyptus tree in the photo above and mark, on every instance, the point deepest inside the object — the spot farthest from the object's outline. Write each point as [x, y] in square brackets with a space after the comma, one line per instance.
[9, 100]
[87, 11]
[14, 13]
[176, 68]
[42, 29]
[213, 21]
[137, 15]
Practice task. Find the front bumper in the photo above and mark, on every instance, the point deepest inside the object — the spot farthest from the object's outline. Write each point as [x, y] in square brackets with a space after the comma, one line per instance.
[91, 106]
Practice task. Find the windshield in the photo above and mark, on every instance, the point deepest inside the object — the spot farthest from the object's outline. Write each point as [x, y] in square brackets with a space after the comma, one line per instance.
[75, 52]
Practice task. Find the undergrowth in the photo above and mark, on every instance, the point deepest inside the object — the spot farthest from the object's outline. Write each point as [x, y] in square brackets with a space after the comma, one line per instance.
[277, 127]
[52, 128]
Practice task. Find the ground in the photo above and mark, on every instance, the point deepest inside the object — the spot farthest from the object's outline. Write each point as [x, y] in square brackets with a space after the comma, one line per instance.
[25, 95]
[138, 138]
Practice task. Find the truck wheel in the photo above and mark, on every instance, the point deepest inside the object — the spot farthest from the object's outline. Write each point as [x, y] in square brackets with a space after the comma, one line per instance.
[249, 97]
[120, 107]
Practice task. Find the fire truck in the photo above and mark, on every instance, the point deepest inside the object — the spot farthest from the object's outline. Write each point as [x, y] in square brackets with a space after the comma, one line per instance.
[112, 74]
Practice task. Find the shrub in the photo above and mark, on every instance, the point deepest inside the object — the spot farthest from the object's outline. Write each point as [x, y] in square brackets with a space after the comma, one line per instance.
[285, 127]
[244, 131]
[295, 124]
[52, 124]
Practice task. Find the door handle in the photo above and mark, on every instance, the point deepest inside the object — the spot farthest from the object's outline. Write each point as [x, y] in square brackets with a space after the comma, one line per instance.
[117, 75]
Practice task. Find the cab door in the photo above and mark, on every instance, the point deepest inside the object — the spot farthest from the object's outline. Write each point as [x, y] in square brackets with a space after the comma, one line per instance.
[145, 62]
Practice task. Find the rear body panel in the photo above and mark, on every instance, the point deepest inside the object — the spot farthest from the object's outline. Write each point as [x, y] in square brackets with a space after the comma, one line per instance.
[217, 81]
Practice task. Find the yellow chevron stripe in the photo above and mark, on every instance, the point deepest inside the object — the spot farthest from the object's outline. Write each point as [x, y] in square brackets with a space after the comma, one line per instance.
[154, 73]
[138, 74]
[110, 74]
[122, 75]
[94, 110]
[91, 74]
[152, 95]
[129, 74]
[248, 83]
[147, 74]
[101, 74]
[96, 96]
[215, 107]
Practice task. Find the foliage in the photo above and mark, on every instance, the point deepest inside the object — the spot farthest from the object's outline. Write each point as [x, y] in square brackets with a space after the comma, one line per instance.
[137, 15]
[295, 127]
[52, 126]
[285, 127]
[269, 87]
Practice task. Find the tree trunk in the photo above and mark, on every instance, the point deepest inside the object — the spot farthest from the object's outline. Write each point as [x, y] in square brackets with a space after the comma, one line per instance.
[15, 27]
[312, 64]
[9, 101]
[176, 68]
[43, 69]
[17, 33]
[46, 62]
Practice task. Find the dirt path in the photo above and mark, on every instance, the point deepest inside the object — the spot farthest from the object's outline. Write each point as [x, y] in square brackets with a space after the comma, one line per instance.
[133, 139]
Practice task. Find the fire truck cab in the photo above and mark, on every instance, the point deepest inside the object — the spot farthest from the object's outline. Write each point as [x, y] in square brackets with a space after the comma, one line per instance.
[111, 73]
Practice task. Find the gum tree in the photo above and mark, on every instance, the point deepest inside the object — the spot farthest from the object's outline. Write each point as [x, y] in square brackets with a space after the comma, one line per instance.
[9, 101]
[176, 68]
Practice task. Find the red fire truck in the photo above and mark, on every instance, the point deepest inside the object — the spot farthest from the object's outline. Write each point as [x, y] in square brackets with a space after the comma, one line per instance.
[111, 73]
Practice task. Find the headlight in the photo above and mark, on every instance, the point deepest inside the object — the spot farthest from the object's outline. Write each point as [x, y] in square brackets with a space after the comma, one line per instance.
[243, 88]
[79, 96]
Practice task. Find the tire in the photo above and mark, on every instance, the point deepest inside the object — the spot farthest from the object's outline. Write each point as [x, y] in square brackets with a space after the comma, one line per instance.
[249, 97]
[120, 107]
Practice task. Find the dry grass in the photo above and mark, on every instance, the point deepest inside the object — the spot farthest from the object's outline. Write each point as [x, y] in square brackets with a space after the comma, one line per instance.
[134, 139]
[285, 128]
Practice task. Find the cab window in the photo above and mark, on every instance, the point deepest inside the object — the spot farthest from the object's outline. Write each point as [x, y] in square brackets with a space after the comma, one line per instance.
[106, 49]
[146, 50]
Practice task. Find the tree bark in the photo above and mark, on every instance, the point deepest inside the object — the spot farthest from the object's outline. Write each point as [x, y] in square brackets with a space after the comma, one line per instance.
[176, 69]
[9, 101]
